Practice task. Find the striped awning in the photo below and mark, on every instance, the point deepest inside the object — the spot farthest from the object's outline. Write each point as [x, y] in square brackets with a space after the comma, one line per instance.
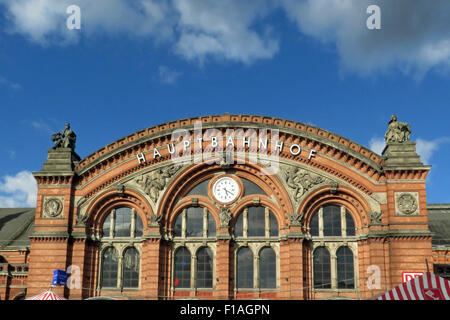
[47, 295]
[426, 287]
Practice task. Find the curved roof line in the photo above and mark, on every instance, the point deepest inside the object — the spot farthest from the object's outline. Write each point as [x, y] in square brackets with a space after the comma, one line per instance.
[242, 120]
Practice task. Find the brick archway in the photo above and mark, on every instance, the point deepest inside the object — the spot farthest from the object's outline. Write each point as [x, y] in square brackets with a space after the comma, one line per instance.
[195, 174]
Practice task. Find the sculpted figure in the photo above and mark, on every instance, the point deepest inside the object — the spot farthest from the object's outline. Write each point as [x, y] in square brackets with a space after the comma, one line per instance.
[397, 131]
[155, 182]
[65, 138]
[300, 181]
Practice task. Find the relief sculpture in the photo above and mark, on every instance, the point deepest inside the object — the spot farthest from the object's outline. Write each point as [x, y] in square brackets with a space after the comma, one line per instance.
[156, 181]
[300, 181]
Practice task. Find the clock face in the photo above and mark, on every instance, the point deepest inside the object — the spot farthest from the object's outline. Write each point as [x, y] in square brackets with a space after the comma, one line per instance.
[225, 189]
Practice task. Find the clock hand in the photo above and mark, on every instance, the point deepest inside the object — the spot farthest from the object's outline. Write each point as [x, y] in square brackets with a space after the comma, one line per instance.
[227, 191]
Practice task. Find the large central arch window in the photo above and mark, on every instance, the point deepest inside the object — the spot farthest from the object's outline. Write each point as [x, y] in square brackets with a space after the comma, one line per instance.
[257, 244]
[120, 249]
[334, 248]
[194, 249]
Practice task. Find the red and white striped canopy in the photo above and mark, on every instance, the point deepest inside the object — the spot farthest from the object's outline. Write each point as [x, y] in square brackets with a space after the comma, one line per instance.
[47, 295]
[426, 287]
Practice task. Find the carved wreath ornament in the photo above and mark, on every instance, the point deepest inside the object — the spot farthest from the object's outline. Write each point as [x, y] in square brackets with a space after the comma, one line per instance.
[53, 208]
[407, 204]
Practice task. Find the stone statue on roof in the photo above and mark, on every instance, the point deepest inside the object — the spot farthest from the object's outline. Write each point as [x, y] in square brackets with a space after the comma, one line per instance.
[65, 138]
[397, 132]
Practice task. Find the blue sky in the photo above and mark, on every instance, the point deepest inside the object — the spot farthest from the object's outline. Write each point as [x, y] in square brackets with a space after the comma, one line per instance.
[135, 64]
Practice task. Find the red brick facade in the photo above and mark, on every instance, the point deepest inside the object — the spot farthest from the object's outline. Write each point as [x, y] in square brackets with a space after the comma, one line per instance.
[352, 177]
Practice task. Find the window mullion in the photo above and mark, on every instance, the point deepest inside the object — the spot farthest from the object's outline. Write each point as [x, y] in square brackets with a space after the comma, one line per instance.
[133, 223]
[113, 223]
[193, 271]
[333, 266]
[343, 222]
[120, 273]
[183, 224]
[245, 223]
[205, 222]
[321, 222]
[256, 271]
[266, 222]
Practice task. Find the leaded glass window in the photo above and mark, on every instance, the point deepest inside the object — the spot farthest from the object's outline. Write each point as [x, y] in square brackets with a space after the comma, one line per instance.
[256, 221]
[322, 268]
[333, 235]
[332, 221]
[204, 268]
[182, 275]
[131, 263]
[194, 222]
[267, 268]
[122, 227]
[245, 268]
[110, 265]
[345, 270]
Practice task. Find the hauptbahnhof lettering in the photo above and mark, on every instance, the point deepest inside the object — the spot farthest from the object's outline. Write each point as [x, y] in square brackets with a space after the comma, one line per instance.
[206, 219]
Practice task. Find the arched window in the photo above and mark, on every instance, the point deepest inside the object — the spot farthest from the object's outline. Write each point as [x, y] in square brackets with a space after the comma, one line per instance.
[256, 221]
[267, 268]
[254, 225]
[195, 222]
[204, 268]
[244, 268]
[182, 266]
[122, 227]
[332, 221]
[330, 228]
[350, 224]
[131, 261]
[345, 270]
[122, 222]
[110, 266]
[322, 268]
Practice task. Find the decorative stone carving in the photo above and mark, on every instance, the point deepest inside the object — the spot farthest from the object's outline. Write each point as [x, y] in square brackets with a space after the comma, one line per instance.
[154, 219]
[406, 203]
[375, 218]
[53, 207]
[64, 139]
[398, 132]
[225, 216]
[81, 219]
[156, 181]
[296, 219]
[120, 189]
[300, 181]
[333, 187]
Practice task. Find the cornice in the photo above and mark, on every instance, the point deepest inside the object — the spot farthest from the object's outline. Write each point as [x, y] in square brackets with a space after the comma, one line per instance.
[152, 134]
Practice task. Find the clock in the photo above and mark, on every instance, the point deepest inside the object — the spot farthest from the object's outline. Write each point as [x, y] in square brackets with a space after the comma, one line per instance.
[226, 189]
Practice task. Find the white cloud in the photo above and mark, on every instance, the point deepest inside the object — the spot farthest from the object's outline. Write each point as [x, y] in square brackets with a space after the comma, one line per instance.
[376, 145]
[196, 29]
[9, 84]
[414, 35]
[167, 75]
[426, 149]
[224, 29]
[18, 191]
[40, 125]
